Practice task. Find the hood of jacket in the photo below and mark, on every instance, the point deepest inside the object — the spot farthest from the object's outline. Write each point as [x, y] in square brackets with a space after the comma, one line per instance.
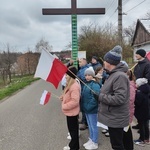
[120, 67]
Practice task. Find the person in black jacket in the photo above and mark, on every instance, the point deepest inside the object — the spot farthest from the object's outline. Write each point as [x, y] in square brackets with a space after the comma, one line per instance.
[142, 110]
[142, 70]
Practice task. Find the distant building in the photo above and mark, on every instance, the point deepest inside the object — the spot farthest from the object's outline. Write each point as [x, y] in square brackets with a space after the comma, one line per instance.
[141, 37]
[63, 55]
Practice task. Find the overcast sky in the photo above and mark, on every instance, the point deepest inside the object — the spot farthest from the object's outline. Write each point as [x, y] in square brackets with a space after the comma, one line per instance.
[22, 24]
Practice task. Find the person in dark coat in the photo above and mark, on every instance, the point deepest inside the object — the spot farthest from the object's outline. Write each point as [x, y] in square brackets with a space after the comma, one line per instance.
[142, 110]
[95, 63]
[142, 70]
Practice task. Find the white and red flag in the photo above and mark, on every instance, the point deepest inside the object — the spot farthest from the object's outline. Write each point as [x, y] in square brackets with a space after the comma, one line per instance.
[148, 56]
[50, 68]
[45, 97]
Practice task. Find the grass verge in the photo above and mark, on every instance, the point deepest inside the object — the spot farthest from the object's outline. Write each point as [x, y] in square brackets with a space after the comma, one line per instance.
[16, 84]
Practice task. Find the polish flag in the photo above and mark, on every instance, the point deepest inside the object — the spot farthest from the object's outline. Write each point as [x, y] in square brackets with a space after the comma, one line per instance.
[148, 56]
[50, 68]
[45, 97]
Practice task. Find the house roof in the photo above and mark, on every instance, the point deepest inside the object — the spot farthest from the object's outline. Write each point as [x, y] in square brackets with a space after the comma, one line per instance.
[145, 24]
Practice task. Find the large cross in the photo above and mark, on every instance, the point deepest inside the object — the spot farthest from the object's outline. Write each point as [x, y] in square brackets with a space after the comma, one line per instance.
[73, 11]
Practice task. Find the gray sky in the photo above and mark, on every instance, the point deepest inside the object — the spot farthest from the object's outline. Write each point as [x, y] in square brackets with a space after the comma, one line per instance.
[22, 24]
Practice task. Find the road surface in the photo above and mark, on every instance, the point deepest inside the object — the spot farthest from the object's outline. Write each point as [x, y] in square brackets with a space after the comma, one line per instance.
[27, 125]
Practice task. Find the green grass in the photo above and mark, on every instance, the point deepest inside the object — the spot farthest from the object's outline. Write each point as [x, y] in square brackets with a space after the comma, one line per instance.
[16, 84]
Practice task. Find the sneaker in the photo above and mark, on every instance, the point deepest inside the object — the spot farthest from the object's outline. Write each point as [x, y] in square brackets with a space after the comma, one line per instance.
[87, 143]
[135, 127]
[69, 137]
[147, 142]
[107, 134]
[83, 127]
[66, 148]
[104, 131]
[91, 146]
[139, 142]
[80, 121]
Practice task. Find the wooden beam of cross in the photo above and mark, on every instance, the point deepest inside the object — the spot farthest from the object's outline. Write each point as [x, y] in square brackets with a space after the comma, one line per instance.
[73, 11]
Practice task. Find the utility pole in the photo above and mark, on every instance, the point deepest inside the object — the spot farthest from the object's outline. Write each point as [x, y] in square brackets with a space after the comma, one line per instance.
[120, 21]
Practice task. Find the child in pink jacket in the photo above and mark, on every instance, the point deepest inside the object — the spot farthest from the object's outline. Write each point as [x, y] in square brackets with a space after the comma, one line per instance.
[127, 137]
[71, 107]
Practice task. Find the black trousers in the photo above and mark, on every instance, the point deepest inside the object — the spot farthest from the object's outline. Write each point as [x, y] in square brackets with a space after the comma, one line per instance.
[128, 140]
[144, 130]
[116, 138]
[73, 128]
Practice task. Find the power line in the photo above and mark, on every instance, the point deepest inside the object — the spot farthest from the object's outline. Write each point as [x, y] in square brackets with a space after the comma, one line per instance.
[125, 2]
[110, 6]
[136, 6]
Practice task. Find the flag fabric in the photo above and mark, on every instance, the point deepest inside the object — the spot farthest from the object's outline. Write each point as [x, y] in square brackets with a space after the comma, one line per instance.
[50, 68]
[148, 56]
[45, 97]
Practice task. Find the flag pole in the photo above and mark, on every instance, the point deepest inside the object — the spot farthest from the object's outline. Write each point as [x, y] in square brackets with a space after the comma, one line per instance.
[82, 82]
[133, 66]
[55, 95]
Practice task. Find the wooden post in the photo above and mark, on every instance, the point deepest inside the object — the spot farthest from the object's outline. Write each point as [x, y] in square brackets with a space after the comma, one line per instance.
[73, 11]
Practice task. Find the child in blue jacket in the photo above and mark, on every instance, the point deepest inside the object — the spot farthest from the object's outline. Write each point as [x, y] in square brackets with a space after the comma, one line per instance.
[89, 106]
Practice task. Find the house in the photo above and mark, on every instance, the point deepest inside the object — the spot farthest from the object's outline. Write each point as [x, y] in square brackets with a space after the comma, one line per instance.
[141, 38]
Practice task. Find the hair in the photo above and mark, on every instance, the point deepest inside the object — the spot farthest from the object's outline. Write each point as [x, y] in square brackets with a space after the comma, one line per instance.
[131, 75]
[69, 83]
[84, 59]
[98, 69]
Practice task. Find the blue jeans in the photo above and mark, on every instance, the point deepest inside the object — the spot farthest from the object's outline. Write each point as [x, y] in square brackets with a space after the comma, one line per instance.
[92, 124]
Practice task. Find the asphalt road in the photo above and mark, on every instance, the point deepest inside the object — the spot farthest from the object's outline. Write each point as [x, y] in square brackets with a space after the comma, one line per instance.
[27, 125]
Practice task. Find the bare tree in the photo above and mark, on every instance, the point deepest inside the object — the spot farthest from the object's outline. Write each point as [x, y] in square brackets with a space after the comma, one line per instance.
[27, 63]
[99, 40]
[128, 33]
[43, 44]
[96, 40]
[7, 59]
[148, 16]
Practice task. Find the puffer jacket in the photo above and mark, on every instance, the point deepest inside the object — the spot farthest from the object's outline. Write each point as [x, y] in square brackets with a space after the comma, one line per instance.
[114, 99]
[142, 70]
[71, 100]
[141, 103]
[89, 103]
[132, 99]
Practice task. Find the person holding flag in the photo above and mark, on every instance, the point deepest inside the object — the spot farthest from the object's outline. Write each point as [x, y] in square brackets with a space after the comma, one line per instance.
[71, 107]
[142, 70]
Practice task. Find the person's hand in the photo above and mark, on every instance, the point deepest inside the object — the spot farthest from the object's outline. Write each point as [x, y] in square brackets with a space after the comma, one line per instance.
[71, 61]
[99, 75]
[61, 98]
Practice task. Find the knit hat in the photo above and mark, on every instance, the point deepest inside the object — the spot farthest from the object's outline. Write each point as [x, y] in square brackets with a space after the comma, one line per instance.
[114, 56]
[95, 57]
[90, 71]
[141, 81]
[141, 52]
[72, 71]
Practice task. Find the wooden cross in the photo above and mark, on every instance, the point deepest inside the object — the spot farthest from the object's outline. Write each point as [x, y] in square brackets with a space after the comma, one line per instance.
[73, 11]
